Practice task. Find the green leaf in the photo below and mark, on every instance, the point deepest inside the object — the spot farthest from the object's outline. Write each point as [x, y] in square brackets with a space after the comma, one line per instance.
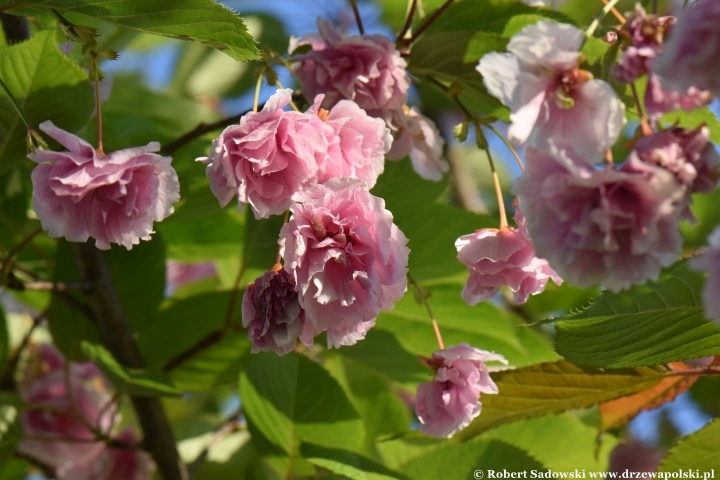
[693, 119]
[179, 324]
[650, 324]
[261, 240]
[347, 464]
[482, 43]
[47, 85]
[219, 364]
[203, 21]
[10, 428]
[68, 324]
[550, 388]
[412, 200]
[3, 340]
[483, 326]
[462, 460]
[697, 451]
[291, 399]
[142, 382]
[573, 442]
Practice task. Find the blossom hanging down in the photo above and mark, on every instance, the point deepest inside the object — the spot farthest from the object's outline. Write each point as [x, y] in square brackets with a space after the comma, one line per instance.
[268, 159]
[609, 227]
[547, 93]
[645, 37]
[690, 55]
[420, 139]
[451, 401]
[710, 262]
[60, 419]
[272, 314]
[367, 69]
[505, 256]
[347, 258]
[113, 198]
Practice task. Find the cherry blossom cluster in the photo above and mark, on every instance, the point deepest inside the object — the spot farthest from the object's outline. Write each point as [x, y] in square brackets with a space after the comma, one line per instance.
[67, 407]
[369, 70]
[613, 225]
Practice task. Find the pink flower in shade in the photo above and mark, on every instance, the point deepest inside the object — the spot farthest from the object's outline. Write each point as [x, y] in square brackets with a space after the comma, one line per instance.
[502, 257]
[420, 138]
[367, 69]
[357, 143]
[347, 258]
[710, 262]
[64, 419]
[688, 154]
[646, 34]
[115, 463]
[272, 314]
[690, 54]
[451, 401]
[268, 159]
[548, 95]
[612, 227]
[114, 199]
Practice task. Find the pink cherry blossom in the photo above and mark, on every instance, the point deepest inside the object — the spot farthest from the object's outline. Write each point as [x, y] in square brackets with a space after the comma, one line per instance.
[64, 419]
[272, 314]
[688, 154]
[612, 227]
[113, 198]
[114, 463]
[357, 143]
[365, 68]
[646, 34]
[346, 256]
[690, 55]
[710, 262]
[505, 256]
[420, 139]
[268, 159]
[548, 95]
[451, 401]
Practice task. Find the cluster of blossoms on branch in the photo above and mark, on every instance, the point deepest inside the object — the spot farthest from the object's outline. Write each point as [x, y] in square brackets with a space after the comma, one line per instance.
[68, 416]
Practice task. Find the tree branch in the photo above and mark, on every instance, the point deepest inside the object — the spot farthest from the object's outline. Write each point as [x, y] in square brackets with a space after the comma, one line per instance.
[116, 336]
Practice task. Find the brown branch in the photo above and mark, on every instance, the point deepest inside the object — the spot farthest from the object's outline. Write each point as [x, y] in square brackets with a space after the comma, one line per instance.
[199, 131]
[429, 21]
[116, 336]
[408, 22]
[358, 19]
[203, 344]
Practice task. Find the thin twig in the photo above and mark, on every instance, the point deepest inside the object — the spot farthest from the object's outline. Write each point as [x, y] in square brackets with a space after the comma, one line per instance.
[16, 249]
[358, 20]
[8, 380]
[643, 120]
[507, 144]
[421, 293]
[408, 21]
[617, 14]
[429, 21]
[231, 425]
[98, 108]
[596, 22]
[54, 286]
[201, 130]
[203, 344]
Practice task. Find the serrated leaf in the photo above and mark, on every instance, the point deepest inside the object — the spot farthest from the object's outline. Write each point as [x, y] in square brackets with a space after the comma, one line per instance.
[140, 382]
[616, 413]
[462, 460]
[47, 85]
[203, 21]
[650, 324]
[697, 451]
[291, 399]
[347, 464]
[550, 388]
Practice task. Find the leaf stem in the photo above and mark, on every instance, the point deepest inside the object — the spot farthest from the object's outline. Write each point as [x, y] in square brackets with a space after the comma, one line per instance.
[286, 217]
[292, 104]
[33, 134]
[258, 84]
[358, 20]
[507, 144]
[429, 21]
[16, 249]
[596, 22]
[422, 295]
[643, 119]
[496, 183]
[617, 14]
[98, 106]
